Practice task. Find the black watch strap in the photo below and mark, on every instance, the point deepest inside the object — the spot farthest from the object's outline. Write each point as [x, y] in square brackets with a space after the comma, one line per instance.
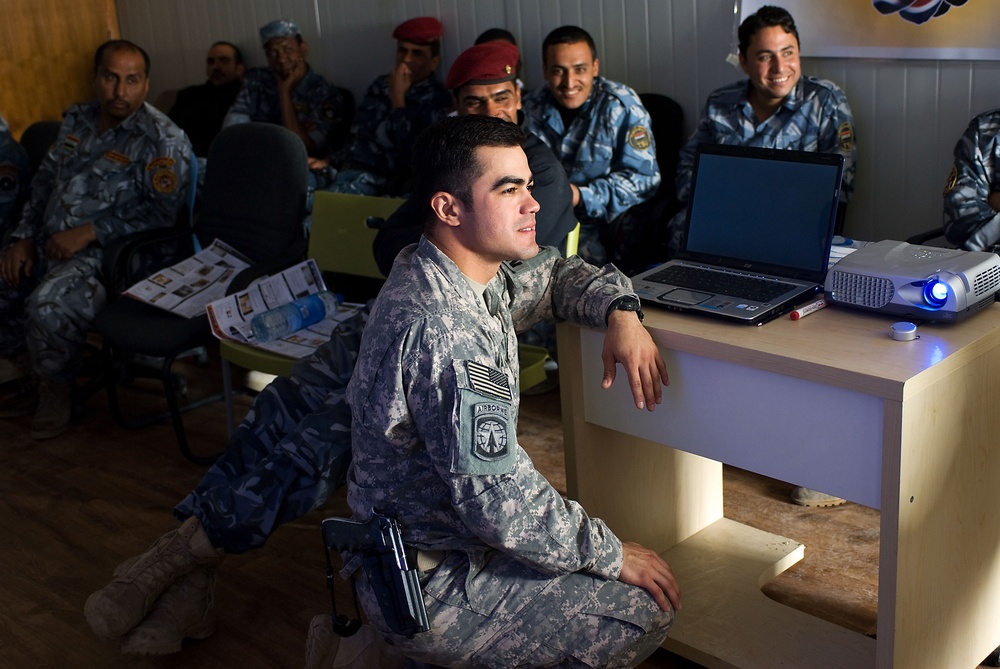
[625, 303]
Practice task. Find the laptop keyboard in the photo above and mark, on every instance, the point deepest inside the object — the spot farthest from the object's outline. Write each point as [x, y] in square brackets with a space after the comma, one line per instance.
[723, 283]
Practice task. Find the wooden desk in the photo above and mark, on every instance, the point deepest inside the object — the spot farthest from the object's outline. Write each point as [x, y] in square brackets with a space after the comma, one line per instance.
[829, 402]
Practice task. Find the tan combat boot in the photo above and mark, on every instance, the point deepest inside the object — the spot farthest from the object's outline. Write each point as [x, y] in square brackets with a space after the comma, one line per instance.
[55, 409]
[186, 610]
[122, 604]
[366, 649]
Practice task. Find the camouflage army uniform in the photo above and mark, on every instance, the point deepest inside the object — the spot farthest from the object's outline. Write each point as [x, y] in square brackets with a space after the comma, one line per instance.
[15, 174]
[608, 151]
[377, 157]
[132, 177]
[969, 221]
[814, 117]
[288, 454]
[528, 579]
[319, 106]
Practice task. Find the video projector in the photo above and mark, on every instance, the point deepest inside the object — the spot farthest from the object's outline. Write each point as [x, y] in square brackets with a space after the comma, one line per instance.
[917, 282]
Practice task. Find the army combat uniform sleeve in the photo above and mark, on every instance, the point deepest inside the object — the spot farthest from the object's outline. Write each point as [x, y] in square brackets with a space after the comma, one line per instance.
[969, 221]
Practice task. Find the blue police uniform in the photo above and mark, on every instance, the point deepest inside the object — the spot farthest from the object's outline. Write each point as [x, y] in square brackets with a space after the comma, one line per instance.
[319, 106]
[969, 221]
[608, 151]
[132, 177]
[814, 117]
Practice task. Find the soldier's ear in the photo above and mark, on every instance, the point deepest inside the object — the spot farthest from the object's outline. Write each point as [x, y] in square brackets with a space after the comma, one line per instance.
[447, 208]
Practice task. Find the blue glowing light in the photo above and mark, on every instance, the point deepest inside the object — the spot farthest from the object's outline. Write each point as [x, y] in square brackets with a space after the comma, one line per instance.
[935, 293]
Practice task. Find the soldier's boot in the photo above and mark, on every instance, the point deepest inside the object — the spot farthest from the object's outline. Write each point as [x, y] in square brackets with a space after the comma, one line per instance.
[55, 408]
[14, 369]
[122, 604]
[365, 649]
[186, 610]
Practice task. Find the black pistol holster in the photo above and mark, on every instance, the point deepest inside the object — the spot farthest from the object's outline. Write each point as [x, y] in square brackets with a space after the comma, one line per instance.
[395, 584]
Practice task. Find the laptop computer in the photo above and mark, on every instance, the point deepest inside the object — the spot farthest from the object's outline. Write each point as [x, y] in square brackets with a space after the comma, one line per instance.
[760, 224]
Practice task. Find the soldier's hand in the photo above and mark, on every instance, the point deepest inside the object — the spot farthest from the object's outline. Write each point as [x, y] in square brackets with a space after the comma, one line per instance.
[399, 82]
[628, 343]
[642, 566]
[66, 244]
[16, 261]
[993, 199]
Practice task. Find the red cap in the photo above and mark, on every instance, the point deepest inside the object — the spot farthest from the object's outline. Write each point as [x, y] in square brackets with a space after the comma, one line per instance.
[421, 30]
[489, 63]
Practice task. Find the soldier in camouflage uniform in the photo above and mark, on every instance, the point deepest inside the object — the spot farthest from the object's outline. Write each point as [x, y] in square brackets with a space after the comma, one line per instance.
[972, 195]
[118, 166]
[602, 134]
[775, 108]
[513, 574]
[284, 459]
[15, 174]
[396, 107]
[288, 92]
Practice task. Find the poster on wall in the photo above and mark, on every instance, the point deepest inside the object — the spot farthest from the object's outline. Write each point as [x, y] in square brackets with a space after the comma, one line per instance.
[914, 29]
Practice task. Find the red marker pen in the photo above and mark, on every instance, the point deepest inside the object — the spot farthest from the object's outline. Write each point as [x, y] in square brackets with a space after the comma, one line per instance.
[807, 309]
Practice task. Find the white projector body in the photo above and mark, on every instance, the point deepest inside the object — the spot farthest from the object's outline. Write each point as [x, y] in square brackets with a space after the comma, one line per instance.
[896, 278]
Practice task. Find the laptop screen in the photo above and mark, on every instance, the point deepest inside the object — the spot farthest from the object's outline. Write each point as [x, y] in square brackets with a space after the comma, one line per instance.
[765, 207]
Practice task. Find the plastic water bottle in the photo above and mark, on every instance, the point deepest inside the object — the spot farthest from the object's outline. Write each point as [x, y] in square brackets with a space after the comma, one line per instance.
[288, 318]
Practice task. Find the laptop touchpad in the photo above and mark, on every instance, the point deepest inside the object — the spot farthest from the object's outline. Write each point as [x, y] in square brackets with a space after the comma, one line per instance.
[682, 296]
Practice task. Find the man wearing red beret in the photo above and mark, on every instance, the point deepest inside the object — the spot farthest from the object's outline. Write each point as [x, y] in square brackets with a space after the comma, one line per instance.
[396, 107]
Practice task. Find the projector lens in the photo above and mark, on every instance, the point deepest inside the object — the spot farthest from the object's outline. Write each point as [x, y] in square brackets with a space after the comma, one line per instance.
[935, 293]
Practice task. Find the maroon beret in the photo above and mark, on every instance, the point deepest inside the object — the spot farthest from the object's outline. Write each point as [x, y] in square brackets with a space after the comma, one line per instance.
[421, 30]
[488, 63]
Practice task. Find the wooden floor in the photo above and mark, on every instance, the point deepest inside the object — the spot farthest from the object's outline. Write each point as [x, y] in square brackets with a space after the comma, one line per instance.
[73, 507]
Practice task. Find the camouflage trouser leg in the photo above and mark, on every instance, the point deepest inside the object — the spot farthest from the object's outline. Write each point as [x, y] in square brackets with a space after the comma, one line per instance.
[358, 182]
[292, 449]
[58, 314]
[591, 247]
[508, 615]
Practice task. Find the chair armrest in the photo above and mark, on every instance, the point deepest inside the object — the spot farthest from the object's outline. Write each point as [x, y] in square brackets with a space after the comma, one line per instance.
[137, 255]
[250, 274]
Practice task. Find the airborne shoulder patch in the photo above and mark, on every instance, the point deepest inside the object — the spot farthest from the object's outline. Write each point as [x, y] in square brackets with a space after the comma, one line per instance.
[490, 434]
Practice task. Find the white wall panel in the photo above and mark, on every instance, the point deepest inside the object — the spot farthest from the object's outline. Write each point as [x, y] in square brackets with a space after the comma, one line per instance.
[908, 113]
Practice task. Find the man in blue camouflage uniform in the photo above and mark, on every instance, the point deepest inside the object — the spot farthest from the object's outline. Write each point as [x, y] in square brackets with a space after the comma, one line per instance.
[775, 108]
[396, 107]
[15, 175]
[288, 92]
[483, 80]
[288, 454]
[118, 166]
[972, 195]
[602, 134]
[512, 573]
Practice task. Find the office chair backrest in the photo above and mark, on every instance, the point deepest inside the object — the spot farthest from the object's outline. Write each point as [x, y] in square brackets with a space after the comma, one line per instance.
[37, 140]
[255, 190]
[340, 239]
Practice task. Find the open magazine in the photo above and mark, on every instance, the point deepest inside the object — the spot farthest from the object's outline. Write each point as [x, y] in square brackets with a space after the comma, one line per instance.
[230, 316]
[189, 286]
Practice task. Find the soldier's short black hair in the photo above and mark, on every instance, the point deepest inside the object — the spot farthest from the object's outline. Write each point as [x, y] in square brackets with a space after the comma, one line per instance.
[444, 155]
[119, 45]
[568, 35]
[765, 17]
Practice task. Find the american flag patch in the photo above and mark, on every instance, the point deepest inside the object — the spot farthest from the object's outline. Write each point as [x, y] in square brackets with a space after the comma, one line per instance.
[489, 381]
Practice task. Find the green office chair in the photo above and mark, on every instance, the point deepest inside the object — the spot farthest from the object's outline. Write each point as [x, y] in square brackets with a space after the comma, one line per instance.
[339, 241]
[533, 358]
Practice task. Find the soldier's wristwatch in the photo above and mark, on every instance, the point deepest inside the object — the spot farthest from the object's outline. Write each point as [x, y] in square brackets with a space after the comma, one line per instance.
[625, 303]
